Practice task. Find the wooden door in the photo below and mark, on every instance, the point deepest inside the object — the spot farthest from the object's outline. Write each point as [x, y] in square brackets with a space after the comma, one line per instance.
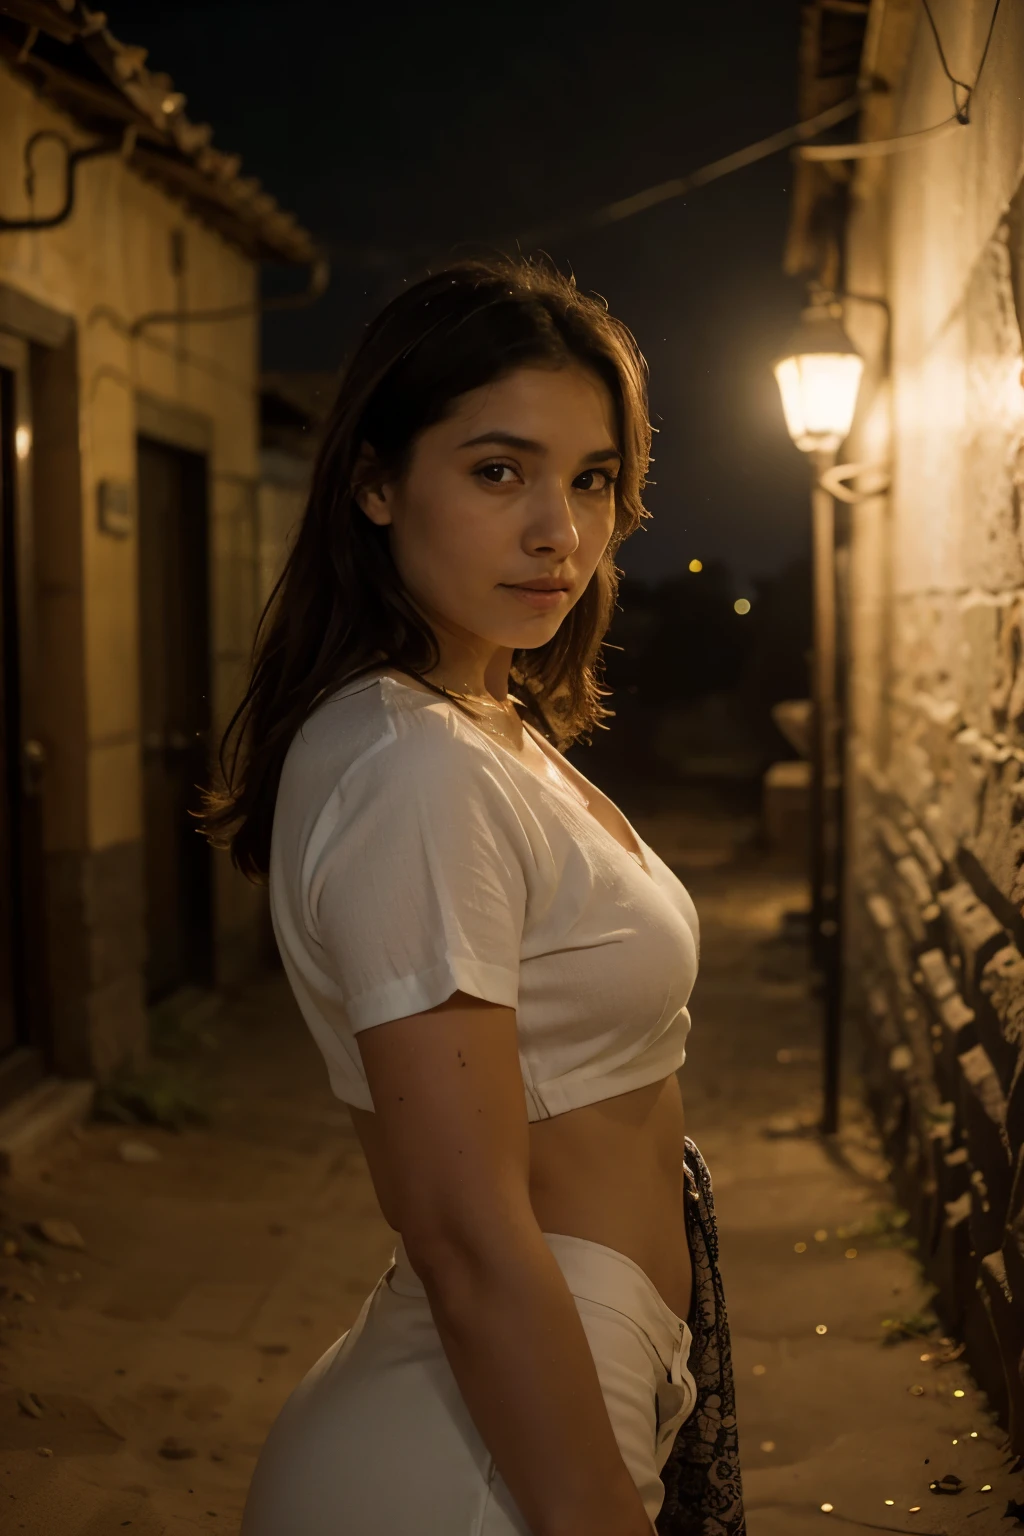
[175, 676]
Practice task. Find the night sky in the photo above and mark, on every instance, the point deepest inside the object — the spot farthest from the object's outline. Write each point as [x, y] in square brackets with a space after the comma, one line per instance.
[398, 132]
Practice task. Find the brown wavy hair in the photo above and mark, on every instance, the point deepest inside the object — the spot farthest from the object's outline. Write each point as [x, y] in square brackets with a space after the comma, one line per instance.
[339, 608]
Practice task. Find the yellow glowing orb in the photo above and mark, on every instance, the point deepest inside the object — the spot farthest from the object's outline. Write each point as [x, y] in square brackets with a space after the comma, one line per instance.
[696, 565]
[741, 605]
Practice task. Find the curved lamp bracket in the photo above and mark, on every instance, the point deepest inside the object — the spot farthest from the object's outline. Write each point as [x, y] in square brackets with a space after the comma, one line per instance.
[834, 481]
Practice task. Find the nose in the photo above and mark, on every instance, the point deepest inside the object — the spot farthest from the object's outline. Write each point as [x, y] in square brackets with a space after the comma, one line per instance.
[552, 527]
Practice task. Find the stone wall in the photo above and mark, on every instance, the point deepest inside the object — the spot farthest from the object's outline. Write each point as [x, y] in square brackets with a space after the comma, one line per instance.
[935, 888]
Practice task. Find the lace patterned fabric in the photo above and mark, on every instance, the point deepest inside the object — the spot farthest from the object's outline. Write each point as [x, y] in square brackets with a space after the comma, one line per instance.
[703, 1485]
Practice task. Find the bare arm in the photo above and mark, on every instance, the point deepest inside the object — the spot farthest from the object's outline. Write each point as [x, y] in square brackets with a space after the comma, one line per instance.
[451, 1111]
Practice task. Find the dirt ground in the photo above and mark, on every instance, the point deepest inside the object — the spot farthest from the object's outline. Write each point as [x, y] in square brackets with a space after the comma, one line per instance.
[139, 1374]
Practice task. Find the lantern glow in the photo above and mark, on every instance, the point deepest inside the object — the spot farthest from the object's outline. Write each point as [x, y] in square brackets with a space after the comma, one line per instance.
[819, 377]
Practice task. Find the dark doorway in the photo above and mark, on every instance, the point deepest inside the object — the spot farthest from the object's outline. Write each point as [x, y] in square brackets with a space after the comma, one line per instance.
[175, 675]
[10, 1033]
[22, 1025]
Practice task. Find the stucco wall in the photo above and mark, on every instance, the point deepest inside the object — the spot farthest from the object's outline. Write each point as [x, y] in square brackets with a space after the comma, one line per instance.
[284, 486]
[109, 263]
[936, 750]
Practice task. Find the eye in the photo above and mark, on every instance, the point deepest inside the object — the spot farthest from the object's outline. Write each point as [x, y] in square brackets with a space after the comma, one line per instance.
[494, 473]
[605, 483]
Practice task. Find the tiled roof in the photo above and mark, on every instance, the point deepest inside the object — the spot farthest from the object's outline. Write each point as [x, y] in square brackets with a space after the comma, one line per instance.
[70, 56]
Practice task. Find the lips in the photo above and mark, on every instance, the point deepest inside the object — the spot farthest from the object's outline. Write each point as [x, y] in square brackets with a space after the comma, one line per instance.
[542, 593]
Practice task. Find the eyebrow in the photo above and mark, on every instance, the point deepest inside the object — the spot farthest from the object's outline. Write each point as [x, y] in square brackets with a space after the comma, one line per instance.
[528, 445]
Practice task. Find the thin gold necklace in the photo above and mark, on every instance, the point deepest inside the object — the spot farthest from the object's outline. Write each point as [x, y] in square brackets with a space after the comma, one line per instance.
[504, 707]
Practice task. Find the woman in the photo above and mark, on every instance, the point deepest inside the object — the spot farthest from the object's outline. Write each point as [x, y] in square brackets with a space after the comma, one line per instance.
[494, 965]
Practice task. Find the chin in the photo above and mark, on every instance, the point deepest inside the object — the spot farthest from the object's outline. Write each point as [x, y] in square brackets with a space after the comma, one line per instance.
[538, 637]
[529, 637]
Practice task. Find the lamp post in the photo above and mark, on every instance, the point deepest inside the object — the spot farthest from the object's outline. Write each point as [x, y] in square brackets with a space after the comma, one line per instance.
[819, 376]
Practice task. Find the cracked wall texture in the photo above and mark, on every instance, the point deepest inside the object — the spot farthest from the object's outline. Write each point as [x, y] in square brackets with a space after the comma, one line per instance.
[935, 883]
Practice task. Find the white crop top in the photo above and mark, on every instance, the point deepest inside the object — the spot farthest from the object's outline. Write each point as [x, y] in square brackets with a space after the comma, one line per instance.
[413, 856]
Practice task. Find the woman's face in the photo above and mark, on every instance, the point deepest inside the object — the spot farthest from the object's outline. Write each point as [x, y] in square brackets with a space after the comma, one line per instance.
[506, 507]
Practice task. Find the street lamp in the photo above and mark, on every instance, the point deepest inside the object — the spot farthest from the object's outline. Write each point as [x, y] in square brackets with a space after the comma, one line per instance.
[819, 376]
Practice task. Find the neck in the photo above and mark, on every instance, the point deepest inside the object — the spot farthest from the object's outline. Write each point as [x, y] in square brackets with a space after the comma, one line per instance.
[473, 669]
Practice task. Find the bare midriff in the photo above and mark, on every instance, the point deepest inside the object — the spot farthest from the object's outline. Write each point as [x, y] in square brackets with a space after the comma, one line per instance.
[610, 1172]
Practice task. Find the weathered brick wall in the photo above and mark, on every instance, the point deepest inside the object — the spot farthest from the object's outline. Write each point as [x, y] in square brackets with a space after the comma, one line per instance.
[936, 750]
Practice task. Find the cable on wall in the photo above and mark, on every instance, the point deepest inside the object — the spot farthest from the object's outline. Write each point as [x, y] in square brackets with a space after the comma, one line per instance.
[961, 109]
[863, 149]
[316, 287]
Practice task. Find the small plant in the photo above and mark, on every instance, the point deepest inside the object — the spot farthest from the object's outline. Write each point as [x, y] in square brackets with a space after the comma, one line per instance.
[886, 1227]
[918, 1325]
[160, 1096]
[182, 1027]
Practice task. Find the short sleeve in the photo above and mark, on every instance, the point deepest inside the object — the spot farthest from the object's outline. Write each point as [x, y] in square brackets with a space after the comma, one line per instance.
[419, 890]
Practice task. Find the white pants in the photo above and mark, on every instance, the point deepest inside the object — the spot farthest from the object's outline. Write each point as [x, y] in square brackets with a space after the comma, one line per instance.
[377, 1441]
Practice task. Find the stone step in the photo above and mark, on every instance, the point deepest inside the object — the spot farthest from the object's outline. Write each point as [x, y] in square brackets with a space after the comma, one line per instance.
[33, 1123]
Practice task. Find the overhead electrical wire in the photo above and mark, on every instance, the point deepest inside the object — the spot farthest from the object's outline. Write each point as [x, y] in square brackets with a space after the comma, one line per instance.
[678, 186]
[961, 117]
[624, 208]
[792, 137]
